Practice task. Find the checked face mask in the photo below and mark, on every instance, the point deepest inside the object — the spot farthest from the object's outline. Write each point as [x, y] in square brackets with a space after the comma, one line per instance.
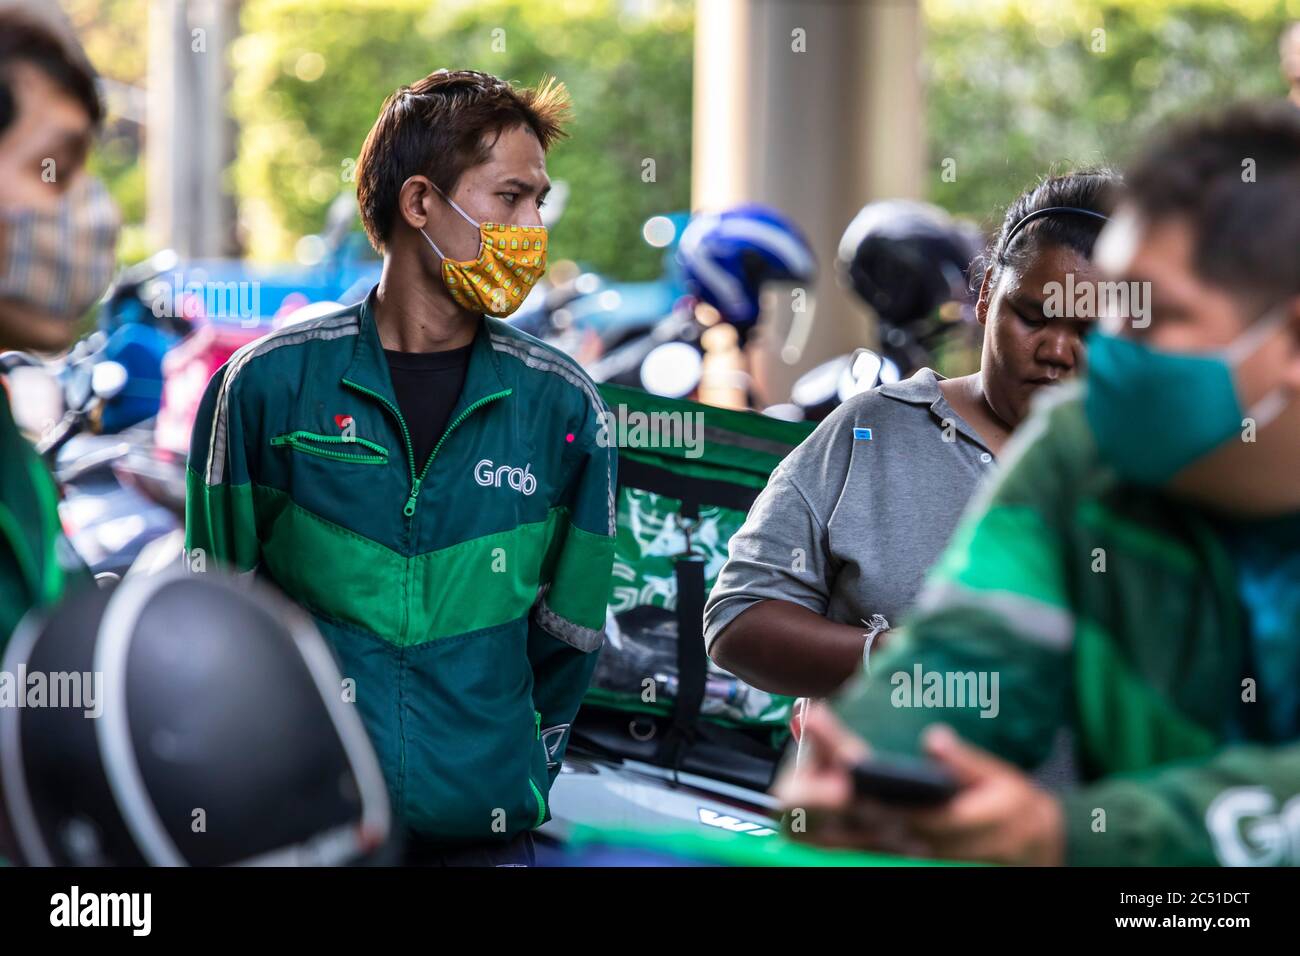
[510, 260]
[60, 260]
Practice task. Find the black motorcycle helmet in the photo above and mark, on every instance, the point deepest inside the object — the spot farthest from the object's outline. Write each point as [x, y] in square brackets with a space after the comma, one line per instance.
[208, 726]
[904, 259]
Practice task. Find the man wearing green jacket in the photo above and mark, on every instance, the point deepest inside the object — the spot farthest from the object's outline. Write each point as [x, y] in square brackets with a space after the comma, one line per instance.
[427, 481]
[1134, 574]
[57, 234]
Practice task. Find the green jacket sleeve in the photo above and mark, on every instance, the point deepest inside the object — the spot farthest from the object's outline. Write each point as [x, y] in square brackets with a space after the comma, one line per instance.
[38, 567]
[1237, 808]
[219, 522]
[567, 627]
[987, 649]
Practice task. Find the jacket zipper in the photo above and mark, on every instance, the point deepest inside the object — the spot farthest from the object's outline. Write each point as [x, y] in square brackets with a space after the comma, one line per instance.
[301, 441]
[418, 482]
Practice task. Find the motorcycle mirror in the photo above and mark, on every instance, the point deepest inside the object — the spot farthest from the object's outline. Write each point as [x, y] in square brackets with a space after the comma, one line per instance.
[162, 261]
[672, 370]
[889, 372]
[78, 386]
[866, 370]
[134, 279]
[816, 389]
[862, 373]
[107, 379]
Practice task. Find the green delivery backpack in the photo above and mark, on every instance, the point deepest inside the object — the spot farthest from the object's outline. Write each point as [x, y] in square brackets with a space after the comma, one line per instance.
[687, 476]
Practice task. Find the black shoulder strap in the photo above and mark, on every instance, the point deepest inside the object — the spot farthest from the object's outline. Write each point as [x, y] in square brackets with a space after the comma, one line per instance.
[692, 664]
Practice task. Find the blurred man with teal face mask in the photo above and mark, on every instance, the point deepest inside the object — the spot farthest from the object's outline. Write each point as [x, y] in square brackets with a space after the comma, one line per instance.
[1133, 576]
[58, 229]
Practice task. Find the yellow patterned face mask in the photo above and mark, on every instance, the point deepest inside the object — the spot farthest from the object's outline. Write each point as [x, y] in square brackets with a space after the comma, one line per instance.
[510, 260]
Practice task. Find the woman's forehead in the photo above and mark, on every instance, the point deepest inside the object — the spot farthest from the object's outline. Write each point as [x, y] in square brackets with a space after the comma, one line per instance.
[1041, 264]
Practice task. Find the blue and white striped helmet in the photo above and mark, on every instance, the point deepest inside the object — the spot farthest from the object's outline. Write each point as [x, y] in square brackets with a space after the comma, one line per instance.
[726, 257]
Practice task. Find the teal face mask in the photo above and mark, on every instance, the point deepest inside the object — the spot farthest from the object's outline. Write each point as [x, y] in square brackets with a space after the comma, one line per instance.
[1153, 413]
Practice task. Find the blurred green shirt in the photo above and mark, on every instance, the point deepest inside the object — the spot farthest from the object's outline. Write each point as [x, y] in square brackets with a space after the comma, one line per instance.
[31, 574]
[1069, 600]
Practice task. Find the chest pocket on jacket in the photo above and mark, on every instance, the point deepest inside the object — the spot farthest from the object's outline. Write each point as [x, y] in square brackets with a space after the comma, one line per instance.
[337, 447]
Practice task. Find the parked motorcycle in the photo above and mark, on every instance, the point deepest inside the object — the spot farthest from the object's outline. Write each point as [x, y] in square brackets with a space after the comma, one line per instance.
[916, 269]
[138, 321]
[721, 263]
[106, 522]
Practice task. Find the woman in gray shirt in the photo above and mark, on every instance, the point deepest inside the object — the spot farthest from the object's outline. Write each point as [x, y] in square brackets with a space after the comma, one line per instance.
[837, 545]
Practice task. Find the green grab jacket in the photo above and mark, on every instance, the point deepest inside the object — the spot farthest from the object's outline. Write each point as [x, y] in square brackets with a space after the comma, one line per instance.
[36, 563]
[1111, 611]
[463, 596]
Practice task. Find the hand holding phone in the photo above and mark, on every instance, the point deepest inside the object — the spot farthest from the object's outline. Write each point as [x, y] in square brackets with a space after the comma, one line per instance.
[903, 783]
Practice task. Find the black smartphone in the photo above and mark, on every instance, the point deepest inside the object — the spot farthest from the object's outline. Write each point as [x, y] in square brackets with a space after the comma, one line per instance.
[900, 782]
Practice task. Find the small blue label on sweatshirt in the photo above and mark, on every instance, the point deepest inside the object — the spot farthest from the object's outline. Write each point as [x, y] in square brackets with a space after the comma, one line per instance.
[862, 434]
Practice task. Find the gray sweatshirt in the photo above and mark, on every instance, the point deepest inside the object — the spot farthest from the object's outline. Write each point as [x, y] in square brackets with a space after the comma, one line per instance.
[854, 517]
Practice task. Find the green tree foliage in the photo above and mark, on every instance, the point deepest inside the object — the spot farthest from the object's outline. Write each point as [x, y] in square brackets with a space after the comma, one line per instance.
[1017, 88]
[110, 33]
[310, 76]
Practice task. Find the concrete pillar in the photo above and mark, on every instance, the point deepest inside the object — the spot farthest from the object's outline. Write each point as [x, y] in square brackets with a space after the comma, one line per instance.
[814, 107]
[190, 136]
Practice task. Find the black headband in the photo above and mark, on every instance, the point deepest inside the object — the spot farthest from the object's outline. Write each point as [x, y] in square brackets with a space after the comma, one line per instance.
[1049, 211]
